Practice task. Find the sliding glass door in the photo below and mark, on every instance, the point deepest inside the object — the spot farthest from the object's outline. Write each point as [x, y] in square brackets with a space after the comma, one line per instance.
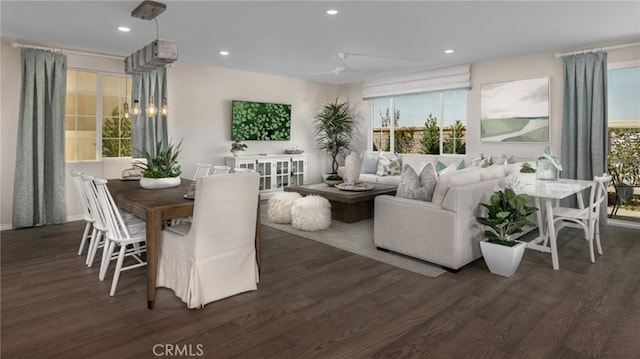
[624, 141]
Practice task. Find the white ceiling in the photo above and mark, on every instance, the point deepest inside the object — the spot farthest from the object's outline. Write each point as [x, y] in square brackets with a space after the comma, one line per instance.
[296, 39]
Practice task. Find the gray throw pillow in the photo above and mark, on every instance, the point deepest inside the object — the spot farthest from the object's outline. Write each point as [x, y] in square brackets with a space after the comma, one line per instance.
[428, 181]
[419, 187]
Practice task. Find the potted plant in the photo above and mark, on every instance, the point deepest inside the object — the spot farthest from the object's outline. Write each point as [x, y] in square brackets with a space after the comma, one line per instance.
[332, 129]
[237, 147]
[528, 173]
[161, 169]
[507, 214]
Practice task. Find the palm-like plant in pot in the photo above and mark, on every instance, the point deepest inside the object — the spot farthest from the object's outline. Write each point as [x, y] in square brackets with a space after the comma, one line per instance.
[332, 128]
[507, 214]
[162, 169]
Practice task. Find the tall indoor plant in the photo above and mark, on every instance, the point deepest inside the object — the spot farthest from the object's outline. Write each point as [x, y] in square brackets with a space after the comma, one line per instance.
[507, 214]
[332, 128]
[162, 169]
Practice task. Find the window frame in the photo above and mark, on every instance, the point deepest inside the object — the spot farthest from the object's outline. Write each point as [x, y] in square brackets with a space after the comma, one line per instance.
[99, 116]
[440, 117]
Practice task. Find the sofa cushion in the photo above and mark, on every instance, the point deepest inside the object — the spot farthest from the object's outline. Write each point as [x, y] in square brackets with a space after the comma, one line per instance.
[456, 178]
[492, 172]
[414, 186]
[450, 168]
[388, 165]
[369, 162]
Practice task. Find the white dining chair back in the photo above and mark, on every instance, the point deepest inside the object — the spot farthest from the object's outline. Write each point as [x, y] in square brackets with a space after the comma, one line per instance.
[97, 239]
[202, 169]
[221, 170]
[86, 213]
[243, 170]
[587, 218]
[118, 234]
[215, 256]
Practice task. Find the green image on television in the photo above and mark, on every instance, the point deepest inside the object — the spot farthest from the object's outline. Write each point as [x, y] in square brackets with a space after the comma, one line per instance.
[260, 121]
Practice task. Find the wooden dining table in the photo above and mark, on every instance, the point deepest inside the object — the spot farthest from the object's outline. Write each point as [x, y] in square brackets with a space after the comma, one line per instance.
[156, 207]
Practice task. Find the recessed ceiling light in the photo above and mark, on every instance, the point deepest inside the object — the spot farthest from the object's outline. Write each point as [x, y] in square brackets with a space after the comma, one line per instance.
[449, 51]
[332, 12]
[224, 53]
[124, 29]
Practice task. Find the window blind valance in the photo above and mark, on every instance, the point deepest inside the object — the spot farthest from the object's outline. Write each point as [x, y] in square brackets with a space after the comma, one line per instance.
[455, 77]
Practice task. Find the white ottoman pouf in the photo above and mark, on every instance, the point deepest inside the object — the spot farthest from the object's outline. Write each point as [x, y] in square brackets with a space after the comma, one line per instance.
[311, 213]
[280, 206]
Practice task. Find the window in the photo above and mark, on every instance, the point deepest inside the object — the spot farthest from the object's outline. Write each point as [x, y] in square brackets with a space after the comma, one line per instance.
[429, 123]
[95, 126]
[624, 139]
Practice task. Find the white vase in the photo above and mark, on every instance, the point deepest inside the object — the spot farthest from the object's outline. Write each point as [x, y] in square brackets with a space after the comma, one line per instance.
[502, 260]
[352, 165]
[157, 183]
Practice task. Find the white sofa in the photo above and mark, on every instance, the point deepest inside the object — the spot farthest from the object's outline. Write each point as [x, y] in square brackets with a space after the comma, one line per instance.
[418, 160]
[444, 231]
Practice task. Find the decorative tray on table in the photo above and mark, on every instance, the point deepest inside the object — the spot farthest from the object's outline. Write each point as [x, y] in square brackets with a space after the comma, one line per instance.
[357, 186]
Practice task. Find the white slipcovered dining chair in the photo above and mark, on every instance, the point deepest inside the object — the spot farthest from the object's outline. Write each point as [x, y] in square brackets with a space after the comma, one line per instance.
[587, 218]
[202, 169]
[221, 170]
[87, 216]
[130, 239]
[213, 257]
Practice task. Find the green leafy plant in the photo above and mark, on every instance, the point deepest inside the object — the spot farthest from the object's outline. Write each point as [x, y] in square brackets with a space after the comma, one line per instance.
[507, 214]
[238, 146]
[333, 128]
[430, 141]
[260, 121]
[455, 142]
[163, 164]
[526, 168]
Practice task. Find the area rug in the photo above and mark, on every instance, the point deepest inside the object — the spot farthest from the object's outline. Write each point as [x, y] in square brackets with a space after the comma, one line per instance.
[356, 238]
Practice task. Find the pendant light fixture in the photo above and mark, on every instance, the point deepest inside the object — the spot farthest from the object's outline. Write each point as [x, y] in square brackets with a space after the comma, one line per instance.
[135, 110]
[125, 106]
[164, 110]
[151, 108]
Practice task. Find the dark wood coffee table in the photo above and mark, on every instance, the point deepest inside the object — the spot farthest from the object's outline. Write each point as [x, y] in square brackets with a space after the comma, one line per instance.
[346, 206]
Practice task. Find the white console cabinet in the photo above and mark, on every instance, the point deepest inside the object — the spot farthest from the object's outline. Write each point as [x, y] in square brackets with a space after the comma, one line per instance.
[276, 171]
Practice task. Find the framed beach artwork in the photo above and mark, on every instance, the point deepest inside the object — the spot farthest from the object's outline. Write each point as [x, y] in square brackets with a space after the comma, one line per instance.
[515, 111]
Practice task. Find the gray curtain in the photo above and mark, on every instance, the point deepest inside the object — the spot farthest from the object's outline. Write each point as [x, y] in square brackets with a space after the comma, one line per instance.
[147, 131]
[39, 182]
[584, 120]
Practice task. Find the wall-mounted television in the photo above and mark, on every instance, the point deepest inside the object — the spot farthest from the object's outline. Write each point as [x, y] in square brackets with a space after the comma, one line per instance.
[260, 121]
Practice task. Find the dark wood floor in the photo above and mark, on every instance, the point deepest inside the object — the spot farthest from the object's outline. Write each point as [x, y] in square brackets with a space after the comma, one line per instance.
[316, 301]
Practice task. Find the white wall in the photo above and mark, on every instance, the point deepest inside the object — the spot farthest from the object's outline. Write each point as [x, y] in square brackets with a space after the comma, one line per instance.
[200, 112]
[516, 68]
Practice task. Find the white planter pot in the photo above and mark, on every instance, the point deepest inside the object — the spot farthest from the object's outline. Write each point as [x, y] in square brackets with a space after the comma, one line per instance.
[501, 259]
[157, 183]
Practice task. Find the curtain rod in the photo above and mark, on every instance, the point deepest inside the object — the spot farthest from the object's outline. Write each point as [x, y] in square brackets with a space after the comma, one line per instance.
[20, 45]
[595, 49]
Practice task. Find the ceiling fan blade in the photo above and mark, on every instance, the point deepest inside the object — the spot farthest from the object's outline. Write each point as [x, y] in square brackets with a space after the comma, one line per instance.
[337, 71]
[381, 56]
